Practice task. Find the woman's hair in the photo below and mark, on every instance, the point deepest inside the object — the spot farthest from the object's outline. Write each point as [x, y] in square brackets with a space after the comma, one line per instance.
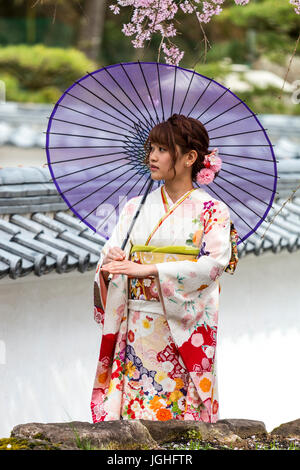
[187, 132]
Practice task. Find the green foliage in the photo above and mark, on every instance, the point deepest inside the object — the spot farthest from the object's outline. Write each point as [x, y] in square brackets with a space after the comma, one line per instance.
[194, 434]
[116, 47]
[83, 444]
[260, 100]
[20, 30]
[275, 46]
[262, 14]
[39, 73]
[15, 443]
[86, 444]
[196, 445]
[233, 48]
[215, 70]
[266, 101]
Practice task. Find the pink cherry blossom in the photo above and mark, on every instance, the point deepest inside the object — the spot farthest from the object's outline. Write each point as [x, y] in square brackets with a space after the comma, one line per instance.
[205, 176]
[135, 316]
[215, 272]
[204, 416]
[158, 16]
[199, 315]
[130, 208]
[197, 340]
[215, 163]
[186, 320]
[122, 344]
[296, 4]
[167, 288]
[120, 310]
[205, 363]
[192, 274]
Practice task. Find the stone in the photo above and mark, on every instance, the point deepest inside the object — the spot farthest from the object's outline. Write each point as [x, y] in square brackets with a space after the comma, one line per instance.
[15, 443]
[151, 435]
[290, 429]
[174, 430]
[222, 436]
[123, 434]
[245, 427]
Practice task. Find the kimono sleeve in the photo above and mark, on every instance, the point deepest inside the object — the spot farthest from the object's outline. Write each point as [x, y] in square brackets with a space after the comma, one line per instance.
[186, 281]
[116, 239]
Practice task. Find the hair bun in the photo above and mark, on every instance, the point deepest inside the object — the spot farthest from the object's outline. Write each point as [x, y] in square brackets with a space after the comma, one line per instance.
[177, 117]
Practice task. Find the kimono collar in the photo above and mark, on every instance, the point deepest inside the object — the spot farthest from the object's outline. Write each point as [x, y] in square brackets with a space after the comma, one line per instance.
[168, 209]
[167, 201]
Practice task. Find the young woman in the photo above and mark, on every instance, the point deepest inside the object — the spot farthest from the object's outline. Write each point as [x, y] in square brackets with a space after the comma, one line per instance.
[159, 313]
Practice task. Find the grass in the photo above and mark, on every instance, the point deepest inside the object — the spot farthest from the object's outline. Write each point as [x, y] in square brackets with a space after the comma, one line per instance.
[201, 445]
[83, 444]
[196, 443]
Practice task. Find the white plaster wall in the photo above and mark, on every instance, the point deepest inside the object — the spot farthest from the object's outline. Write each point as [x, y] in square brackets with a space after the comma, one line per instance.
[259, 339]
[49, 345]
[51, 349]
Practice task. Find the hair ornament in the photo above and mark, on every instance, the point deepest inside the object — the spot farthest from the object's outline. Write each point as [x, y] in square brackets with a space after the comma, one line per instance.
[212, 163]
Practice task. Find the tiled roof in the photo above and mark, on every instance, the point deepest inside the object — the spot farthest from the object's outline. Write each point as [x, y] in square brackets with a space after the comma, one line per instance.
[43, 242]
[282, 234]
[40, 234]
[24, 124]
[24, 190]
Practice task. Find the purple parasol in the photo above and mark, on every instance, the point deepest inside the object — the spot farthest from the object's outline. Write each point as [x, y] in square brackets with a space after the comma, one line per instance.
[97, 129]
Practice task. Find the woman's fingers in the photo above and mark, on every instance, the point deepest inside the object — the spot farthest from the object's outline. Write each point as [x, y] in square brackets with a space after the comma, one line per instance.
[131, 269]
[114, 266]
[116, 253]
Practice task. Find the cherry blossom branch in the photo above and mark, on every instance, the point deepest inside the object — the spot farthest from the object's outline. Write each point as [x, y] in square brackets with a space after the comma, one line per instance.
[157, 16]
[289, 199]
[292, 56]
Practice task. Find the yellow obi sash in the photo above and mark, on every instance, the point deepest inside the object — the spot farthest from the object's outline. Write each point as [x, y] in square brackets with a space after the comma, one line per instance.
[146, 288]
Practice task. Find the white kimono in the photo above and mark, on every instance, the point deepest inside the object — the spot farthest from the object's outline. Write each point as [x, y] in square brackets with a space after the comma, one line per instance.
[171, 374]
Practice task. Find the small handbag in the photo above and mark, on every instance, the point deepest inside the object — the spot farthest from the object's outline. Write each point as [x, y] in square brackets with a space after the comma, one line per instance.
[234, 252]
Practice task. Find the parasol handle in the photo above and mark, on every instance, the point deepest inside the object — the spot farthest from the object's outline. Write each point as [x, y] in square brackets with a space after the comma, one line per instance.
[134, 220]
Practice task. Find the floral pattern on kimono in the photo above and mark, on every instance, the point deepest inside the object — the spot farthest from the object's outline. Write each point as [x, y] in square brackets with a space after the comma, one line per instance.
[189, 294]
[156, 382]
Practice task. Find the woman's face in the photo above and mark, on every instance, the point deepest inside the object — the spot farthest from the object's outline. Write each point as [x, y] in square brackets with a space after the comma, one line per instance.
[160, 158]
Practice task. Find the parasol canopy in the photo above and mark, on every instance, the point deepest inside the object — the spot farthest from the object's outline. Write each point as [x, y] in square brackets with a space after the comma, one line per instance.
[97, 130]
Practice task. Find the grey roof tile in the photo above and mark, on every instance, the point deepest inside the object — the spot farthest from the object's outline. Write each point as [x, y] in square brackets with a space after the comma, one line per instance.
[49, 222]
[45, 252]
[27, 189]
[13, 262]
[38, 259]
[32, 200]
[38, 234]
[33, 208]
[53, 256]
[272, 240]
[4, 269]
[21, 175]
[31, 225]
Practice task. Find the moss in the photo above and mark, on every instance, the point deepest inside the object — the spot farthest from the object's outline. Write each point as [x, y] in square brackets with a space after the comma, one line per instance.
[194, 434]
[40, 435]
[15, 443]
[177, 435]
[130, 446]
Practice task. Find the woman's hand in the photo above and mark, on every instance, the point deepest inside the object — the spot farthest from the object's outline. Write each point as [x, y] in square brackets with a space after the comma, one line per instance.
[130, 268]
[114, 254]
